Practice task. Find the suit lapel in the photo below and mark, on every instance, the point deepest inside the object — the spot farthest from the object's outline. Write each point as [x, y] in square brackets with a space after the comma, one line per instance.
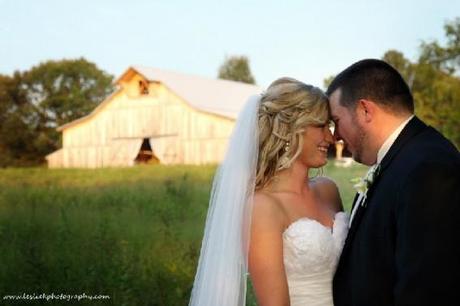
[354, 201]
[413, 127]
[356, 220]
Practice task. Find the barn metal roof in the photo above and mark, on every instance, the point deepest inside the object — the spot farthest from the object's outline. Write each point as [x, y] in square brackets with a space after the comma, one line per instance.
[215, 96]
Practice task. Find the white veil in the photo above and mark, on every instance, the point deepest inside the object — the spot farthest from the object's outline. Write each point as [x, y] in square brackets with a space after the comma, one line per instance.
[222, 268]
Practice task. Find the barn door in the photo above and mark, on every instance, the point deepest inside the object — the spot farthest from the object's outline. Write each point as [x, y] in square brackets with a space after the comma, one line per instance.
[146, 154]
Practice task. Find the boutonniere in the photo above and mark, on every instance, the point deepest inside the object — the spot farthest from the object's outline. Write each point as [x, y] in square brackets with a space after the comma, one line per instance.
[362, 184]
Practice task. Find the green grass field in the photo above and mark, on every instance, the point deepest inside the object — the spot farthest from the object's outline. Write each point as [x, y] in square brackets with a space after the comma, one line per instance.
[133, 233]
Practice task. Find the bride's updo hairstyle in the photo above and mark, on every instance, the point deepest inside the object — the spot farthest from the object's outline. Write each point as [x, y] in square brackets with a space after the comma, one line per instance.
[286, 108]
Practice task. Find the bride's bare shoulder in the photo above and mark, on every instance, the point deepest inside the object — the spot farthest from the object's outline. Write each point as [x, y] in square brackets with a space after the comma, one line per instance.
[268, 210]
[266, 201]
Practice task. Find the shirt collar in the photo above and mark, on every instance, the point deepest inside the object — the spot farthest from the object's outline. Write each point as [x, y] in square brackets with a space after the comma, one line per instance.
[391, 139]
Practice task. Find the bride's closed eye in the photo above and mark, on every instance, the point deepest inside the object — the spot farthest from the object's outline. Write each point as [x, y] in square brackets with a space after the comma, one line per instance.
[320, 125]
[328, 124]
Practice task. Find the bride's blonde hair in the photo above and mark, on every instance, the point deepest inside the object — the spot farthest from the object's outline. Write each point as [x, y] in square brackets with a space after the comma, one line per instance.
[286, 108]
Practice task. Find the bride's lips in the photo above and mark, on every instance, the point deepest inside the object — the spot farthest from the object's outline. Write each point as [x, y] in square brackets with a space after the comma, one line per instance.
[323, 149]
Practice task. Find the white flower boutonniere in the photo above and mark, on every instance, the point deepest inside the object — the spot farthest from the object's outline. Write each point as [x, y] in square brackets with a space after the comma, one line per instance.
[362, 184]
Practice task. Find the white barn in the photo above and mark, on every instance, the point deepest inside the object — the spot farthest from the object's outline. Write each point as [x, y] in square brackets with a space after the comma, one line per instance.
[159, 115]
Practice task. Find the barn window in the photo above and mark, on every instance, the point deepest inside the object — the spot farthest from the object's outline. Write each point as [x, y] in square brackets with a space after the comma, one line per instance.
[143, 87]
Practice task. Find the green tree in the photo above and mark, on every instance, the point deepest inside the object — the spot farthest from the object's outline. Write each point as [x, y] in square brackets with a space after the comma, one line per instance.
[402, 64]
[445, 58]
[66, 90]
[236, 68]
[16, 124]
[33, 103]
[434, 81]
[62, 91]
[327, 81]
[437, 99]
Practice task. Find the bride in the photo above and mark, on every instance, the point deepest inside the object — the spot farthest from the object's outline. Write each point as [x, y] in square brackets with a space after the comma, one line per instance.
[264, 218]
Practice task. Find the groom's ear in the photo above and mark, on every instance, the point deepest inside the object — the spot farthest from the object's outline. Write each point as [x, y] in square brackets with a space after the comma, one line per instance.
[366, 108]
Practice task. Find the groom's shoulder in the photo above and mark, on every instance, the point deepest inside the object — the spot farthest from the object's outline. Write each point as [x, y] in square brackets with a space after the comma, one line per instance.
[431, 145]
[426, 150]
[425, 161]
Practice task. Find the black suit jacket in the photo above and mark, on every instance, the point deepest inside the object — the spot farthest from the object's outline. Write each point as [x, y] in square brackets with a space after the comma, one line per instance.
[403, 248]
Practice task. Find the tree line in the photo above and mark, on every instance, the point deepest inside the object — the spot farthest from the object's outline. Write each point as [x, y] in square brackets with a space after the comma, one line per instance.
[435, 81]
[33, 103]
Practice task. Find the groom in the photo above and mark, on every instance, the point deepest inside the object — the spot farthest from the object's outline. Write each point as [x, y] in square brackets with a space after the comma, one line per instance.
[403, 246]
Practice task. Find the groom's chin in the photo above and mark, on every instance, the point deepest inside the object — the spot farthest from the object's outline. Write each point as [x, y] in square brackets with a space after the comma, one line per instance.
[357, 159]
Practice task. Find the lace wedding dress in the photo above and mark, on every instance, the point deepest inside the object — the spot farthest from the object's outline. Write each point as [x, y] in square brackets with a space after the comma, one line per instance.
[311, 254]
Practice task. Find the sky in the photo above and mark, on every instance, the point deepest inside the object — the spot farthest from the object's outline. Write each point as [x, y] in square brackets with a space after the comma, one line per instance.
[307, 40]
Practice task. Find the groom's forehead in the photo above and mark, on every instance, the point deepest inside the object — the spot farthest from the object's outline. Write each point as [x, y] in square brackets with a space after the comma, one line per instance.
[334, 102]
[336, 95]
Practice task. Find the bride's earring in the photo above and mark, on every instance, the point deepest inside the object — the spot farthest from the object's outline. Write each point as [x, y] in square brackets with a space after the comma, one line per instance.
[285, 159]
[287, 146]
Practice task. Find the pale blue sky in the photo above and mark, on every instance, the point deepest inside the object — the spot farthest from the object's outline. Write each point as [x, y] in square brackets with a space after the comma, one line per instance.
[308, 40]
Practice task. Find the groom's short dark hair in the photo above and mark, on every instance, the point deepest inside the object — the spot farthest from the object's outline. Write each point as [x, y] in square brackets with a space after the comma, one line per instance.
[375, 80]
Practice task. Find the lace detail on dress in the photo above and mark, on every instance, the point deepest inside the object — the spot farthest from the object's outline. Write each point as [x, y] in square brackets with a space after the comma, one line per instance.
[311, 253]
